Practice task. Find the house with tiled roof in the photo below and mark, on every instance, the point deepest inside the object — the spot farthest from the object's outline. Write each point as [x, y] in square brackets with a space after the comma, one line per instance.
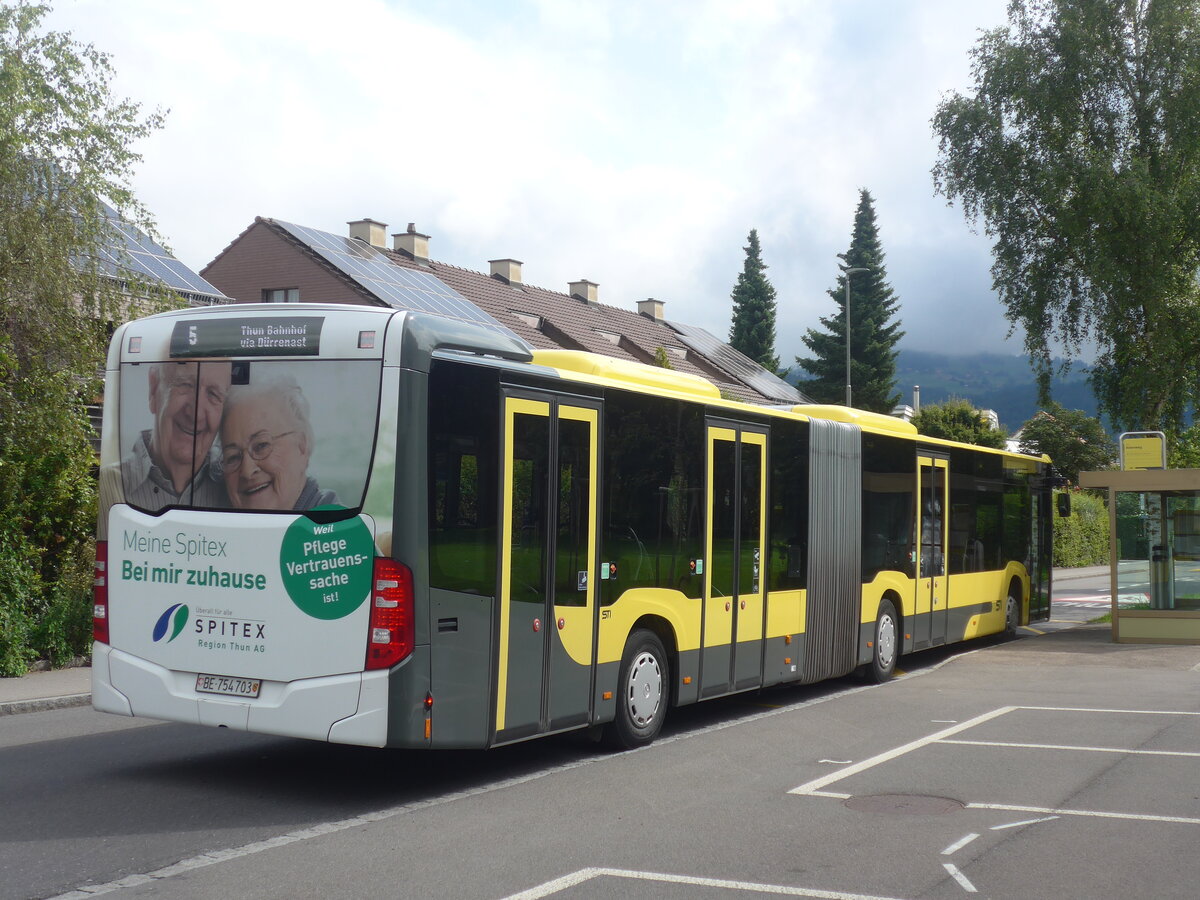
[279, 262]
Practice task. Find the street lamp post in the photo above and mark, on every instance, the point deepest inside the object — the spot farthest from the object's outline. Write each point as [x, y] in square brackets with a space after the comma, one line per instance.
[848, 271]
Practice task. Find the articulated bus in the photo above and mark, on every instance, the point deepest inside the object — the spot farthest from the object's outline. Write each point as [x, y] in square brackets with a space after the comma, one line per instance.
[393, 529]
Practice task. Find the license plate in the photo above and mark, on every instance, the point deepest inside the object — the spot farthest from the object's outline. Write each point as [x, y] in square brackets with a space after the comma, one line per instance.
[230, 687]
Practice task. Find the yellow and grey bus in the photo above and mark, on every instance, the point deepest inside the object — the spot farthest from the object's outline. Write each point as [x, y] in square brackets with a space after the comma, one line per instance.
[389, 528]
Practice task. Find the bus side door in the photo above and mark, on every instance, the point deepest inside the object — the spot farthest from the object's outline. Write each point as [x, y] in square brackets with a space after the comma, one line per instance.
[548, 545]
[733, 607]
[933, 585]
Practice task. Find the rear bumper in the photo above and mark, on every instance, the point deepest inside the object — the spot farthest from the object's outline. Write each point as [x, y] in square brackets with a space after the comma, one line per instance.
[346, 709]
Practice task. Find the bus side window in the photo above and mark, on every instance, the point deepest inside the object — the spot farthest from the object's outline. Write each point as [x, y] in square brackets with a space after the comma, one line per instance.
[463, 423]
[653, 486]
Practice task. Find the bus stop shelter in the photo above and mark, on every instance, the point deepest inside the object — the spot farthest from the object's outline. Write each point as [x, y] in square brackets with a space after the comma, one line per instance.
[1154, 553]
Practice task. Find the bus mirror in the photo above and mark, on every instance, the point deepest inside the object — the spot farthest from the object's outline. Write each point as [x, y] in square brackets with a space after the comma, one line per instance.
[1064, 505]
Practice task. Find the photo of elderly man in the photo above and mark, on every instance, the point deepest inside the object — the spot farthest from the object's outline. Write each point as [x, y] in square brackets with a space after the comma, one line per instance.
[169, 462]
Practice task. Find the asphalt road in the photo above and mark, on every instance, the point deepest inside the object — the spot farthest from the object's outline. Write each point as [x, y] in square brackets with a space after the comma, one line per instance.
[1057, 765]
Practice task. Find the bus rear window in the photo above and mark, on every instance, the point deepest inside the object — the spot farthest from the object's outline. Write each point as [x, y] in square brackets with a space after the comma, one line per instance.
[273, 435]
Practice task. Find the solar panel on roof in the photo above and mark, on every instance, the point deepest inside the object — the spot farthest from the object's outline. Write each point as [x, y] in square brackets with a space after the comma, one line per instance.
[737, 364]
[395, 285]
[136, 254]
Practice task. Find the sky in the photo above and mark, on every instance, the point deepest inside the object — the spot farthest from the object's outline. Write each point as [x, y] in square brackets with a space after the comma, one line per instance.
[631, 144]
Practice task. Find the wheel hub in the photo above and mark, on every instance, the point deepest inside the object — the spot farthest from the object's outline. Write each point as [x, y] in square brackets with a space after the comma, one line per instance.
[645, 689]
[886, 641]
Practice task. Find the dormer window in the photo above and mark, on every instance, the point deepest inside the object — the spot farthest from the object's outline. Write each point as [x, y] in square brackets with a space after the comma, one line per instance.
[534, 322]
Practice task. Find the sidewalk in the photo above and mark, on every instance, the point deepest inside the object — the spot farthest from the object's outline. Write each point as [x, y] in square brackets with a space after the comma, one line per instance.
[54, 689]
[1080, 572]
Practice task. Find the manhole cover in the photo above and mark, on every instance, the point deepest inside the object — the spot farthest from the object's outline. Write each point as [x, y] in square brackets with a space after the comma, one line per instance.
[904, 804]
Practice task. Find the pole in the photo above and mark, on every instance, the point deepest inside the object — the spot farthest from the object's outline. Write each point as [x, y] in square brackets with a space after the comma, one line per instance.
[848, 338]
[848, 272]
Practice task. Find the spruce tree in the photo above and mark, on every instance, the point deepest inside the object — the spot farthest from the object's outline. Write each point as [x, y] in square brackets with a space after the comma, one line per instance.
[874, 330]
[753, 328]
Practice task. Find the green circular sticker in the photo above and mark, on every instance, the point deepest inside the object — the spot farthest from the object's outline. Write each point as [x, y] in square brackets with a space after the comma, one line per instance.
[327, 569]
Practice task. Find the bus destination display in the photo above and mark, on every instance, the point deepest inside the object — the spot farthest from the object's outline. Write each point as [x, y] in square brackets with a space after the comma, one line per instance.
[282, 336]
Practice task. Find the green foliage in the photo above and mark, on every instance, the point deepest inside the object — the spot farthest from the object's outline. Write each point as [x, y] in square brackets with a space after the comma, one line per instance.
[753, 328]
[661, 359]
[1074, 441]
[874, 330]
[958, 420]
[64, 150]
[1079, 150]
[1184, 448]
[1081, 539]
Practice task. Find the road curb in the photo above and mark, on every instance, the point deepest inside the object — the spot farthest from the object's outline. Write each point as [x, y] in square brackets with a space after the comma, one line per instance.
[14, 707]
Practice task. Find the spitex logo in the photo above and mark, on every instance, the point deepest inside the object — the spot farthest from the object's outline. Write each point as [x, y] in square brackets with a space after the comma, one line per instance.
[174, 618]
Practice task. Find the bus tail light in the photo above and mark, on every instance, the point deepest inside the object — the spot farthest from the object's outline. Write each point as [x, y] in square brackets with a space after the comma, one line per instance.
[391, 634]
[100, 594]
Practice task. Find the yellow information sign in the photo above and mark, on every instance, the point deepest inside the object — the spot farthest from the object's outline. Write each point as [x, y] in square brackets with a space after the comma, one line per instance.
[1143, 450]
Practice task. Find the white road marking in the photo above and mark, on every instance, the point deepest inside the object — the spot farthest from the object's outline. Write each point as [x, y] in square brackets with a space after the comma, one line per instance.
[836, 762]
[584, 875]
[959, 844]
[1134, 817]
[1099, 601]
[944, 721]
[959, 877]
[1023, 822]
[818, 783]
[1072, 747]
[1093, 709]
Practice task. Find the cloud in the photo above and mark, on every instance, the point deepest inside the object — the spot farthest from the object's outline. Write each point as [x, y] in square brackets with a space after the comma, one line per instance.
[632, 145]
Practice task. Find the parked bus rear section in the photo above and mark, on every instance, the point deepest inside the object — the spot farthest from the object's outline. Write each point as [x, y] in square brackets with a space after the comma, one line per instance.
[392, 529]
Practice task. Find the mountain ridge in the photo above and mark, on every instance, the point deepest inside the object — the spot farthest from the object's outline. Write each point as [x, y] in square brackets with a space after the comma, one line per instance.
[996, 381]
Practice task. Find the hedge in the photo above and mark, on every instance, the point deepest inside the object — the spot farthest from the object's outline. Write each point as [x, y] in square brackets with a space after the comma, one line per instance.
[1081, 539]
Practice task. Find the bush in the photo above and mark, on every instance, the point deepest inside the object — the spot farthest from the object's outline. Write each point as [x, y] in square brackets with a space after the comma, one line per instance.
[47, 518]
[1081, 539]
[18, 585]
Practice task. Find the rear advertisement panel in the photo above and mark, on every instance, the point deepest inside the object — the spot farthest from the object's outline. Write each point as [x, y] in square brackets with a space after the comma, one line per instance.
[254, 435]
[251, 596]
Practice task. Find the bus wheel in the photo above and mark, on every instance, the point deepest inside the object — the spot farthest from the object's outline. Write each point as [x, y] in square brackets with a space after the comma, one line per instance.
[644, 689]
[887, 644]
[1012, 616]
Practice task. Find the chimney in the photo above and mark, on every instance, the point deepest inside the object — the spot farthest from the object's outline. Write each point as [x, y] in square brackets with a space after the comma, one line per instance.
[412, 243]
[651, 309]
[369, 232]
[506, 270]
[587, 291]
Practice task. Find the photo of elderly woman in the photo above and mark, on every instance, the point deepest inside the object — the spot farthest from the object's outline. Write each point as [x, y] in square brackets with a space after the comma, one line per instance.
[267, 441]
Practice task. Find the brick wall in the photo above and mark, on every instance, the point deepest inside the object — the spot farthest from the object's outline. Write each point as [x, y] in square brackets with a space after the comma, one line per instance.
[260, 259]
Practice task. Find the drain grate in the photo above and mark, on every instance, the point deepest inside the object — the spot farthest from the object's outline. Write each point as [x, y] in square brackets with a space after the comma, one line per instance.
[904, 804]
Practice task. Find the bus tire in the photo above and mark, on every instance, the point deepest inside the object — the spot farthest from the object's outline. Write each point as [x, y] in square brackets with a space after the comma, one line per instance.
[1012, 616]
[644, 688]
[886, 646]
